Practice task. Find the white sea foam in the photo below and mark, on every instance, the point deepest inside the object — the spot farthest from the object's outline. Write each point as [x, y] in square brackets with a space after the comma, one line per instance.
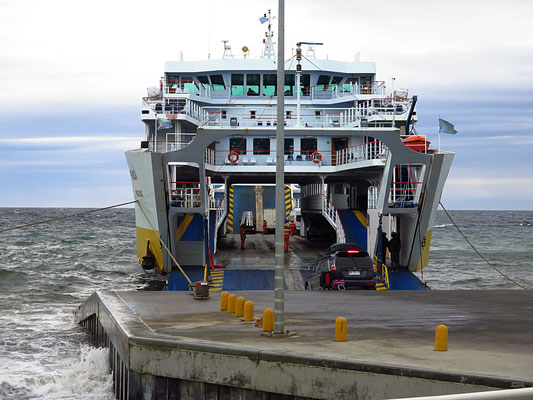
[442, 226]
[87, 377]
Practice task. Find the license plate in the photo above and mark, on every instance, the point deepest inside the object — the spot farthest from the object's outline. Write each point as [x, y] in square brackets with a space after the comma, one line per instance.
[354, 272]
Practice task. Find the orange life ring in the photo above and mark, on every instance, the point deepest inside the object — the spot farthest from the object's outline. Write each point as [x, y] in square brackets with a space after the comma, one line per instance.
[316, 160]
[233, 157]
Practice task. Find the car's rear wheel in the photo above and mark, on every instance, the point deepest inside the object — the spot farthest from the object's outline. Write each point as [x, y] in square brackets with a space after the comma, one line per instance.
[306, 286]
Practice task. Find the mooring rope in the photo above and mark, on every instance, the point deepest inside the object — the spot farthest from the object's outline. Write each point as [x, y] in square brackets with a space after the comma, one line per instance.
[477, 251]
[66, 216]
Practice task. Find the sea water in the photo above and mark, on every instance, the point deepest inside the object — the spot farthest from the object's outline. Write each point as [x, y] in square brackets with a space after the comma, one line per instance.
[47, 270]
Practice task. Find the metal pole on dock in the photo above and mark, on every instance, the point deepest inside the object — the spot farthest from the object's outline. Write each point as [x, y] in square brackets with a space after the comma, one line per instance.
[279, 274]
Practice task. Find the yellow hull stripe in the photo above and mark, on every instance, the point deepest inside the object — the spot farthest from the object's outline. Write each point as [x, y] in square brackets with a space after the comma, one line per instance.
[184, 225]
[423, 261]
[361, 217]
[144, 236]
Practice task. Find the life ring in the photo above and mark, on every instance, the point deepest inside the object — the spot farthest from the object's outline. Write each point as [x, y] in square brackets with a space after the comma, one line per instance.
[316, 157]
[233, 157]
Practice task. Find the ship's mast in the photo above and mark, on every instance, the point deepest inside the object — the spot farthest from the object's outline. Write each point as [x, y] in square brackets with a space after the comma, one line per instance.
[269, 44]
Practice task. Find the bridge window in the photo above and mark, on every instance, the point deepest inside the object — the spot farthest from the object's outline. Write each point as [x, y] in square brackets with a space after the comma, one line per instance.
[218, 82]
[322, 82]
[189, 84]
[335, 81]
[305, 84]
[237, 145]
[289, 85]
[203, 80]
[261, 146]
[237, 84]
[252, 84]
[308, 146]
[269, 84]
[289, 146]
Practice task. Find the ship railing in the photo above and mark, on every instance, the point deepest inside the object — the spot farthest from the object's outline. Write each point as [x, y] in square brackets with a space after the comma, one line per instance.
[401, 195]
[332, 215]
[219, 218]
[373, 194]
[172, 108]
[215, 203]
[210, 156]
[320, 92]
[352, 155]
[367, 151]
[382, 109]
[239, 117]
[185, 194]
[384, 271]
[177, 141]
[310, 117]
[347, 89]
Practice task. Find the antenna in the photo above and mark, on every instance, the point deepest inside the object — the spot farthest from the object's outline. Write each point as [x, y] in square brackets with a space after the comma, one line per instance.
[227, 49]
[311, 49]
[269, 45]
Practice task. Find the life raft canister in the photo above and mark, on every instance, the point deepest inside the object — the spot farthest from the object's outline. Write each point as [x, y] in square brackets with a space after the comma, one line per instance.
[417, 143]
[316, 157]
[233, 157]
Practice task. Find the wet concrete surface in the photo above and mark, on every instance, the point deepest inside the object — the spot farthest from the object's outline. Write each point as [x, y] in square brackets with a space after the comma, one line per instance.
[490, 332]
[258, 251]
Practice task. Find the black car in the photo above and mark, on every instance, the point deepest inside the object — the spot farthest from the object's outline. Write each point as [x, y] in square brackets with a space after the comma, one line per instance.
[344, 267]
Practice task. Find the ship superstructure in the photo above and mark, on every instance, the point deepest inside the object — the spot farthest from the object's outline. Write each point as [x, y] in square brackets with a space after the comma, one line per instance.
[210, 132]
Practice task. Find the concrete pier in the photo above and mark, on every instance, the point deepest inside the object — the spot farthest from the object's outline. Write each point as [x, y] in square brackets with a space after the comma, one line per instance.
[166, 345]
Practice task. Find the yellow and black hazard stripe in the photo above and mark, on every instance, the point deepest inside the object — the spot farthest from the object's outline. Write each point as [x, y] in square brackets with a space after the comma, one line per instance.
[288, 204]
[229, 218]
[217, 279]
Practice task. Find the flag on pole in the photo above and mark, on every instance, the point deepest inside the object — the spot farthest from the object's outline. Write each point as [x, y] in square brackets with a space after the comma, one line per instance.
[163, 123]
[263, 19]
[446, 127]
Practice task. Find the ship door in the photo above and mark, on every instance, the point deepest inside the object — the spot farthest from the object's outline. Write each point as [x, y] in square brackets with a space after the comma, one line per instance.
[336, 145]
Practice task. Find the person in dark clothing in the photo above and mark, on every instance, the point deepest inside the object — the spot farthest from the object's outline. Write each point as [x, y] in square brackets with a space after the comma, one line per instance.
[384, 246]
[394, 246]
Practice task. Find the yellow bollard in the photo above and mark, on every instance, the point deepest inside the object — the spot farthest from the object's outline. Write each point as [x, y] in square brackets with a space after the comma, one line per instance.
[441, 338]
[268, 320]
[224, 300]
[341, 329]
[239, 307]
[231, 303]
[249, 311]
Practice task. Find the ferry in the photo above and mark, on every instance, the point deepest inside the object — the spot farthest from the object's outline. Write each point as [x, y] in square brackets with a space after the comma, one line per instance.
[354, 162]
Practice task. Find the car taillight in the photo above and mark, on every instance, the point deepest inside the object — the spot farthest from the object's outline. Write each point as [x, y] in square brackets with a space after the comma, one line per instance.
[333, 268]
[375, 268]
[353, 251]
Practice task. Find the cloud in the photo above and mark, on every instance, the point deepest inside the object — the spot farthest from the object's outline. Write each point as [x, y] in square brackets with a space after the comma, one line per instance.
[81, 144]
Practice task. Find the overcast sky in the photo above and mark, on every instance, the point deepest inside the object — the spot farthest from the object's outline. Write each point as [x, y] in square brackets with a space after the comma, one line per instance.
[72, 74]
